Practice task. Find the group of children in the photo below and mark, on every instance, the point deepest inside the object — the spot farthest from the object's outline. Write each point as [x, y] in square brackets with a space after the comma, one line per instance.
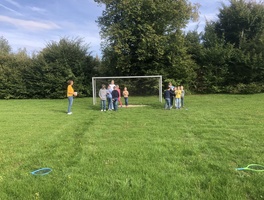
[113, 96]
[176, 93]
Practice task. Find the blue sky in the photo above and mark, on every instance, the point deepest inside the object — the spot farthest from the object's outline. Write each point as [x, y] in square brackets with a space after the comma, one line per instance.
[31, 24]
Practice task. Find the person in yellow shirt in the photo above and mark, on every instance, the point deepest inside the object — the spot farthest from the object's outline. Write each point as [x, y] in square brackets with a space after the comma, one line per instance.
[178, 97]
[70, 94]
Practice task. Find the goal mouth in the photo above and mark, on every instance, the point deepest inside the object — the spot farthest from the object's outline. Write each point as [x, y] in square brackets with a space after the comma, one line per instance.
[153, 81]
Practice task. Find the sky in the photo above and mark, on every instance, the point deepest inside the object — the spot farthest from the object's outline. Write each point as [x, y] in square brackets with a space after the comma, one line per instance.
[32, 24]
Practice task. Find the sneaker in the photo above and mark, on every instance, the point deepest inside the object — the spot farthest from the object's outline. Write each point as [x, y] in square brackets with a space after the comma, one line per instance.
[69, 113]
[101, 110]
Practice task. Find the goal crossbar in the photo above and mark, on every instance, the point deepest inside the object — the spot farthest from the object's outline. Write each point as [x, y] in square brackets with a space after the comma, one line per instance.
[119, 77]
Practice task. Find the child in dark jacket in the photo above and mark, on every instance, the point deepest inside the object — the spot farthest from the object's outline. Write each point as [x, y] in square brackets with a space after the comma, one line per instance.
[167, 97]
[115, 96]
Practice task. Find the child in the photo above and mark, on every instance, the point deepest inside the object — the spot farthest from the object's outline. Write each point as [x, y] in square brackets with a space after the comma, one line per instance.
[109, 98]
[70, 94]
[115, 96]
[178, 97]
[119, 93]
[125, 94]
[102, 95]
[167, 97]
[182, 96]
[172, 93]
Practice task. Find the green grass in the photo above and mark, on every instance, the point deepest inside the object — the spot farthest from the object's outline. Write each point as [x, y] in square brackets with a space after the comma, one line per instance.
[135, 153]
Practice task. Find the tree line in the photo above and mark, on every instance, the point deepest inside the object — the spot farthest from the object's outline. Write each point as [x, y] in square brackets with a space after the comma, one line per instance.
[147, 37]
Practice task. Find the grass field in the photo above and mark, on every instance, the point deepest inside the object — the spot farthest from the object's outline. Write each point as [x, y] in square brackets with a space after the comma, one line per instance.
[134, 153]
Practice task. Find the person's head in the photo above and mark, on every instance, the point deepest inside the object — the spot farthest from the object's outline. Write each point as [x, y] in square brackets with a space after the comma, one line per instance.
[125, 88]
[181, 87]
[117, 86]
[170, 84]
[112, 82]
[103, 86]
[168, 88]
[109, 86]
[70, 82]
[114, 88]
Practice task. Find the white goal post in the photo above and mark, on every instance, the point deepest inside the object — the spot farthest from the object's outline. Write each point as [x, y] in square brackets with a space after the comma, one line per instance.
[119, 77]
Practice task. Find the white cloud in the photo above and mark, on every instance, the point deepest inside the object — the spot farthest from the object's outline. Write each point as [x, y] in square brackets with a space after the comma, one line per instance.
[13, 3]
[36, 9]
[11, 10]
[29, 24]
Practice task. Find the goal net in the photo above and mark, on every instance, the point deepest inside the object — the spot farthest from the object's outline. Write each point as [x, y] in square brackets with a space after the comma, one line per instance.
[137, 85]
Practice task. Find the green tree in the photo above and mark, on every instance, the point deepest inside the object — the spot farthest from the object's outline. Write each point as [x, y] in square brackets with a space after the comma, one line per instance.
[12, 67]
[144, 36]
[195, 48]
[214, 59]
[5, 48]
[240, 22]
[57, 63]
[233, 49]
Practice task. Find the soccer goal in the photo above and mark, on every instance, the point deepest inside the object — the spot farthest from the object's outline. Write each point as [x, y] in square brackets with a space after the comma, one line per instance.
[94, 81]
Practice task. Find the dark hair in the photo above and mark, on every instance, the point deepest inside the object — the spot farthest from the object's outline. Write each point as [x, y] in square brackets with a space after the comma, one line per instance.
[69, 82]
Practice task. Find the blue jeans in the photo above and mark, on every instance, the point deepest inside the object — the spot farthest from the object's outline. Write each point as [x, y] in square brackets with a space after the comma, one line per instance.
[70, 99]
[103, 104]
[110, 103]
[126, 101]
[178, 103]
[115, 103]
[182, 102]
[167, 103]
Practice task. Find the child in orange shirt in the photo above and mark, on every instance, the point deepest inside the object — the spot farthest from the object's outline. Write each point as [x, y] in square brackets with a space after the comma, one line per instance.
[125, 94]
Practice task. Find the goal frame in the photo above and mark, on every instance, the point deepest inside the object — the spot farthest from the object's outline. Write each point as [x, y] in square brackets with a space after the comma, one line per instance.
[120, 77]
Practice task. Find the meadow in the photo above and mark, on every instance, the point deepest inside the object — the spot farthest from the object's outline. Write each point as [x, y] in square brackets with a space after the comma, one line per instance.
[134, 153]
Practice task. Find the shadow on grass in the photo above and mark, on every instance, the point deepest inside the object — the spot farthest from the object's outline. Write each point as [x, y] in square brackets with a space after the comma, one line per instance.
[59, 111]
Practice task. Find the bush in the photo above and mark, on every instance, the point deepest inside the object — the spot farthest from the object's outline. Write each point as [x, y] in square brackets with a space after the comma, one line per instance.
[245, 88]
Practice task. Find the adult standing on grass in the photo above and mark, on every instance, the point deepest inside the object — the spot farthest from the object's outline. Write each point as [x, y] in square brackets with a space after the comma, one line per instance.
[109, 97]
[70, 94]
[115, 96]
[125, 94]
[102, 95]
[182, 96]
[172, 93]
[167, 97]
[112, 84]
